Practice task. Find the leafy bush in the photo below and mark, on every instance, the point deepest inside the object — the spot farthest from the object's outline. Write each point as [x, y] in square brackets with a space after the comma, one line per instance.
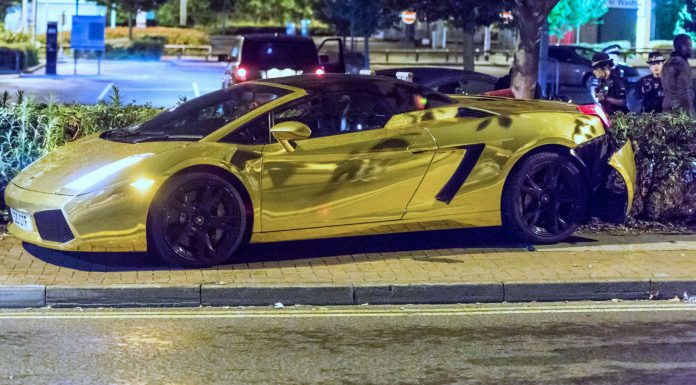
[29, 53]
[170, 35]
[20, 42]
[146, 48]
[29, 129]
[665, 146]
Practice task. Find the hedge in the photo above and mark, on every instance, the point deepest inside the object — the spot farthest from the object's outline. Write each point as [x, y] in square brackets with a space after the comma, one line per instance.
[665, 147]
[29, 129]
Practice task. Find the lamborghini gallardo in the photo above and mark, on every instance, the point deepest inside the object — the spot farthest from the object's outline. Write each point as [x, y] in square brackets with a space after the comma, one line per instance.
[318, 156]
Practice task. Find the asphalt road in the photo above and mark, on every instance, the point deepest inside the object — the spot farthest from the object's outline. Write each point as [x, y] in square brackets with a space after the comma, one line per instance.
[161, 84]
[581, 343]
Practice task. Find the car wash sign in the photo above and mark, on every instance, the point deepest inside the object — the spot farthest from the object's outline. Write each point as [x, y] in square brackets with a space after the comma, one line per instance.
[624, 4]
[88, 33]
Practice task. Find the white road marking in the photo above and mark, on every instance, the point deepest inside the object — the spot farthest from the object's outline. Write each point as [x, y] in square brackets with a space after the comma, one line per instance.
[320, 312]
[196, 90]
[104, 92]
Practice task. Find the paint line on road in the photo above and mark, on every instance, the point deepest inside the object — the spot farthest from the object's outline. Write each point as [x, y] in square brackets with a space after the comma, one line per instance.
[321, 313]
[105, 91]
[196, 90]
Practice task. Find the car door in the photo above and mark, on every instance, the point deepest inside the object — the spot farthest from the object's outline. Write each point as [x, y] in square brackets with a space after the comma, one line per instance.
[350, 170]
[331, 55]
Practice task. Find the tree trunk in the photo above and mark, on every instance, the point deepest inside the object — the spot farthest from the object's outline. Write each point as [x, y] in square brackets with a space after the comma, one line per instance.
[130, 24]
[531, 15]
[366, 52]
[468, 30]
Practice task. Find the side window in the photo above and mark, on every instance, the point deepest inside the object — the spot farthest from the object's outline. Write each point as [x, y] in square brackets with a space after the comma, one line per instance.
[337, 113]
[254, 132]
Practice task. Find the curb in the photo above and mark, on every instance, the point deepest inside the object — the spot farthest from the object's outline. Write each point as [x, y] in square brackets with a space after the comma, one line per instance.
[33, 69]
[28, 296]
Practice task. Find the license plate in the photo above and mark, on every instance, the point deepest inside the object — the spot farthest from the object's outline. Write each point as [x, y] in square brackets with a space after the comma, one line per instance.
[22, 220]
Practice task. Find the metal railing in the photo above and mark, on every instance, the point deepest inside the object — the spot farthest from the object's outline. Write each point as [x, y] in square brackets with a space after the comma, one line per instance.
[443, 56]
[182, 49]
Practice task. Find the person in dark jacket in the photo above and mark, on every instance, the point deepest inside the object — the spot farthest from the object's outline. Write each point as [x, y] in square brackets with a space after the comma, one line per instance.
[649, 88]
[676, 78]
[611, 90]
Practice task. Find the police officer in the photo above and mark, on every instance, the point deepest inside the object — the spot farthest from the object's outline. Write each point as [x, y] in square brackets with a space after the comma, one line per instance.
[611, 90]
[649, 88]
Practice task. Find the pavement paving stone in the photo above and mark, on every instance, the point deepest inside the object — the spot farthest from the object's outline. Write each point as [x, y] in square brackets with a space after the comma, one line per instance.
[594, 257]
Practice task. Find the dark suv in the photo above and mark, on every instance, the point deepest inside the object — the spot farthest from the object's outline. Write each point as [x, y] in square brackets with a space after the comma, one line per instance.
[264, 56]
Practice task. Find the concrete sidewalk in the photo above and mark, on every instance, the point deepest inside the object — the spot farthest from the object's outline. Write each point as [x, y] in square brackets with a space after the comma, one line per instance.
[459, 266]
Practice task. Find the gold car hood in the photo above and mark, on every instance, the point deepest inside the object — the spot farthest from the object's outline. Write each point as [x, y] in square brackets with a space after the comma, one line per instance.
[52, 173]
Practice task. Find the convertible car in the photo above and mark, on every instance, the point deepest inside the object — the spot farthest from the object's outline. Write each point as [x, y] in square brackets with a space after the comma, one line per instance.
[324, 156]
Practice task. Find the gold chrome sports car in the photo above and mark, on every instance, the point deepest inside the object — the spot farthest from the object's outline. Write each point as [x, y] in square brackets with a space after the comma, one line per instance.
[323, 156]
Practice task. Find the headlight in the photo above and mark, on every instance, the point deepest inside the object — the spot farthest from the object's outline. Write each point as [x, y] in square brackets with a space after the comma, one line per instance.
[99, 175]
[143, 184]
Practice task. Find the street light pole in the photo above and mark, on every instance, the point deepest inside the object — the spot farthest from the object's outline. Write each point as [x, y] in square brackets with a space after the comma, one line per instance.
[182, 13]
[25, 15]
[643, 24]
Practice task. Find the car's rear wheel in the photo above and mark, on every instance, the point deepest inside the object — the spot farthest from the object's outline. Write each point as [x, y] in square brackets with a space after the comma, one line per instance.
[545, 198]
[198, 220]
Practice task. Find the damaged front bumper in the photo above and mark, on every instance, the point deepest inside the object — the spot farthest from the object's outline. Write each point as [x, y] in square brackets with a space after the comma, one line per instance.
[612, 176]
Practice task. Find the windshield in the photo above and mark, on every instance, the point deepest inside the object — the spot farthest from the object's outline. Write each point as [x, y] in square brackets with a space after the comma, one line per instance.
[586, 53]
[279, 54]
[202, 116]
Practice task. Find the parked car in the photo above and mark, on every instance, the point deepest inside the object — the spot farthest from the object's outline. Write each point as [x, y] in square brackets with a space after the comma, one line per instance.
[265, 56]
[316, 156]
[575, 66]
[447, 80]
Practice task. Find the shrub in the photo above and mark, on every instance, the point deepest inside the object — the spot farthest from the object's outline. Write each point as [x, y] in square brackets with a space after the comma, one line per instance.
[29, 129]
[29, 53]
[146, 48]
[665, 148]
[170, 35]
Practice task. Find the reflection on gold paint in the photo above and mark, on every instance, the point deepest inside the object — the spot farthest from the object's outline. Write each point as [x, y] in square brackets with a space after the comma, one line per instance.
[371, 182]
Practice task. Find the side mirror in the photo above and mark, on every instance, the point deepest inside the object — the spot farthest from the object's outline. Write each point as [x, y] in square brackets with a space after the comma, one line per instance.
[284, 132]
[324, 59]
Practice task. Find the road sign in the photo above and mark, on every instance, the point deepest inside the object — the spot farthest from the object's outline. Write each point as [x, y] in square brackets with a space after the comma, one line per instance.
[87, 33]
[408, 17]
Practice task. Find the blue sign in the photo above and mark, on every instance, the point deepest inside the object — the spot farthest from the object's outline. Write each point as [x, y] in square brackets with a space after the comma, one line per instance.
[290, 28]
[88, 32]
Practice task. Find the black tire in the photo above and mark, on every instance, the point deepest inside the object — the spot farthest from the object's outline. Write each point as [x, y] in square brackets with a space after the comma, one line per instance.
[545, 198]
[197, 220]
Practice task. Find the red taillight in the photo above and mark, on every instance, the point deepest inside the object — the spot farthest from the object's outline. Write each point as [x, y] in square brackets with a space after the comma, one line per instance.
[319, 71]
[240, 74]
[596, 110]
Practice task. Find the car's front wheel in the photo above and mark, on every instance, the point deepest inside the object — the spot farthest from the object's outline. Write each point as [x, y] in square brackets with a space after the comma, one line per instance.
[197, 220]
[545, 198]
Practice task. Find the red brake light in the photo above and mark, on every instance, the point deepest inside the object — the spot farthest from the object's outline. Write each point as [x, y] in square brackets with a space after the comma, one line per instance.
[596, 110]
[319, 71]
[240, 74]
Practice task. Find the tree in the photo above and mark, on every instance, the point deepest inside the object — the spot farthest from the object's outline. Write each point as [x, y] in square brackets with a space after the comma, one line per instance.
[569, 14]
[666, 18]
[360, 18]
[463, 14]
[531, 16]
[686, 21]
[131, 7]
[4, 6]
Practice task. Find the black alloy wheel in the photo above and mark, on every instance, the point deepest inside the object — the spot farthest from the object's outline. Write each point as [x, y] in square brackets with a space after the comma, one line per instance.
[545, 198]
[198, 220]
